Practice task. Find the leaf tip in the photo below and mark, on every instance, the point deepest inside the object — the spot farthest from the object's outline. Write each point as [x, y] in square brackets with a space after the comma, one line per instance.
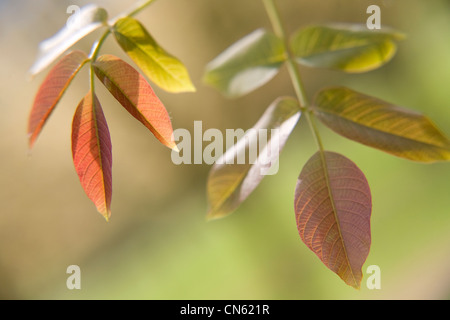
[211, 214]
[186, 88]
[106, 214]
[356, 286]
[29, 76]
[175, 148]
[192, 88]
[216, 214]
[211, 217]
[31, 141]
[399, 36]
[354, 282]
[169, 143]
[30, 146]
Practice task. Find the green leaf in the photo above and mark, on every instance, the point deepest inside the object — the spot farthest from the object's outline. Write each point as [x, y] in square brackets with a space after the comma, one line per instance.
[347, 47]
[134, 93]
[159, 66]
[246, 65]
[378, 124]
[333, 206]
[232, 180]
[85, 21]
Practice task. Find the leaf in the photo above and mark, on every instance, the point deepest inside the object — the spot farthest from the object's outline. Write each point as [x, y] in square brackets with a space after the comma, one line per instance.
[159, 66]
[347, 47]
[246, 65]
[91, 151]
[232, 180]
[82, 23]
[332, 208]
[381, 125]
[136, 96]
[51, 91]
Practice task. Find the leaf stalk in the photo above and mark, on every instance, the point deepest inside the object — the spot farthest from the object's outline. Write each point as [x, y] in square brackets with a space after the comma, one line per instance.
[277, 25]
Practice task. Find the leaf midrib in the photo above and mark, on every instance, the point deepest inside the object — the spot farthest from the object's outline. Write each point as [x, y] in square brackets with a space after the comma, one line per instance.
[335, 212]
[44, 118]
[100, 154]
[154, 131]
[337, 51]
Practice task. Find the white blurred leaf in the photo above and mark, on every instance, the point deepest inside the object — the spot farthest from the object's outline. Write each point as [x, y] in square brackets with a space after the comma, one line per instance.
[83, 22]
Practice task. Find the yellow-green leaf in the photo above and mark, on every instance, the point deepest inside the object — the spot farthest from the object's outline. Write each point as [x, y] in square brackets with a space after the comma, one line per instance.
[347, 47]
[379, 124]
[246, 65]
[158, 65]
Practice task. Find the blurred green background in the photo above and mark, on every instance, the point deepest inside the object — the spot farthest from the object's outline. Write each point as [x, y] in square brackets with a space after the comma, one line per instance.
[158, 244]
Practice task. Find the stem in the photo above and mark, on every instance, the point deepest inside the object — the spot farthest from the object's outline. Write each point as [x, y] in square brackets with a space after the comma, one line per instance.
[97, 45]
[275, 19]
[136, 8]
[315, 130]
[274, 16]
[93, 56]
[129, 13]
[92, 80]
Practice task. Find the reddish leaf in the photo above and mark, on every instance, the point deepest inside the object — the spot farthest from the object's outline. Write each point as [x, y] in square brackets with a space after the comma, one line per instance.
[51, 91]
[135, 94]
[91, 150]
[333, 207]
